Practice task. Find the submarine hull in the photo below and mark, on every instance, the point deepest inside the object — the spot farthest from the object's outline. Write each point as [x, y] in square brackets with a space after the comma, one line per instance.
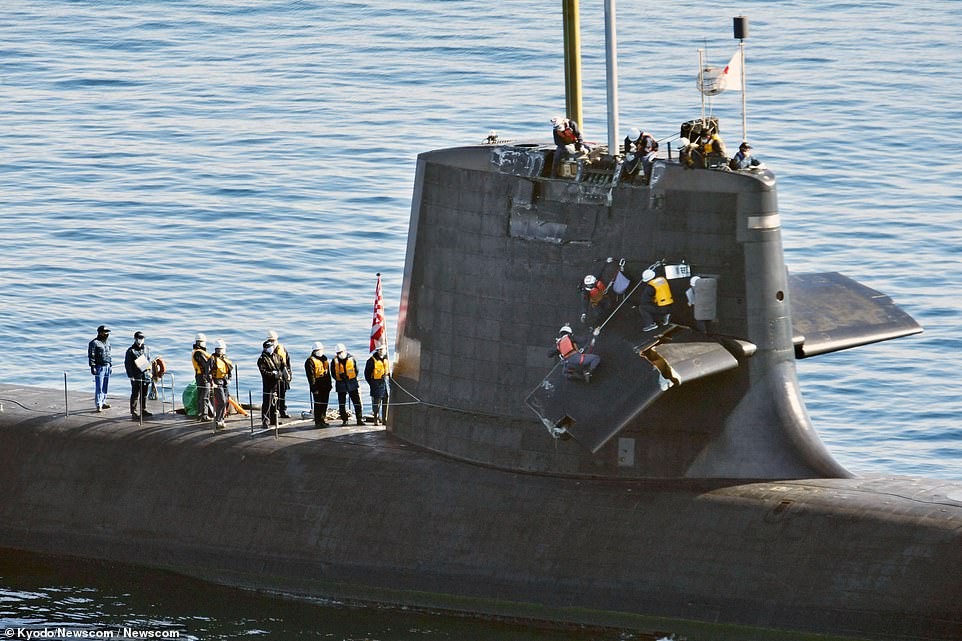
[359, 514]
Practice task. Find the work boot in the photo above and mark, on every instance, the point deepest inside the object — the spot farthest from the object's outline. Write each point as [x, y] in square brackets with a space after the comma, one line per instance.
[100, 409]
[106, 406]
[285, 415]
[134, 416]
[146, 413]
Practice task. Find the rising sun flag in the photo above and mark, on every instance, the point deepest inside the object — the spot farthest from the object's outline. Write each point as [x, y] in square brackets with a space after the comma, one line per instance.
[377, 325]
[712, 80]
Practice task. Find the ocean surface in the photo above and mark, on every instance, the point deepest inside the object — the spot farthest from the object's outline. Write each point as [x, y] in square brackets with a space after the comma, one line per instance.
[236, 167]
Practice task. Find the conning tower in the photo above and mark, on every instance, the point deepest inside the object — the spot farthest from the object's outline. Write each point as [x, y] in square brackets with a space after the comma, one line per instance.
[496, 252]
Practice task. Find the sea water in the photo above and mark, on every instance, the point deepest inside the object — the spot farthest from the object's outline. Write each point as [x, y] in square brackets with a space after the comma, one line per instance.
[235, 167]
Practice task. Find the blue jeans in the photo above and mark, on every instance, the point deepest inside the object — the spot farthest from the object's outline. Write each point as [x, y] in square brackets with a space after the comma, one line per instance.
[101, 381]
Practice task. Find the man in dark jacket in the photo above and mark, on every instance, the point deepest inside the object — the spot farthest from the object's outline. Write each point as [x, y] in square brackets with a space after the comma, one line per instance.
[376, 373]
[344, 371]
[280, 353]
[98, 357]
[318, 371]
[272, 375]
[137, 364]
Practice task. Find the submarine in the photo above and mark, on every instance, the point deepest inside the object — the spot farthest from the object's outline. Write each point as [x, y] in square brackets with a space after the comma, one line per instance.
[683, 490]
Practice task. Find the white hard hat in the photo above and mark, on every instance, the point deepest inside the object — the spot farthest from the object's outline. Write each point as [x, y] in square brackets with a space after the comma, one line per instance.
[694, 279]
[317, 347]
[220, 344]
[339, 348]
[200, 338]
[634, 134]
[272, 335]
[565, 329]
[558, 121]
[648, 275]
[590, 280]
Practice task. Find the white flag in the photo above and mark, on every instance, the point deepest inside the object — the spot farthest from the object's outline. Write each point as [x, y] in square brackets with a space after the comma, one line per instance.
[732, 73]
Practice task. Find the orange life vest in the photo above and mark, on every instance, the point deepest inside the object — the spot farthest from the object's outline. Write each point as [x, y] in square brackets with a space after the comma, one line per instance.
[596, 293]
[380, 368]
[320, 367]
[345, 370]
[566, 346]
[568, 135]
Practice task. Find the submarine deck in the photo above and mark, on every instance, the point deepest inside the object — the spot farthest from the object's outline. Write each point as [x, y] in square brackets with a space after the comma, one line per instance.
[357, 513]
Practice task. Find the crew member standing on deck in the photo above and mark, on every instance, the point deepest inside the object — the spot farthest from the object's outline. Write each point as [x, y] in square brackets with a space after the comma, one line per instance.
[219, 370]
[98, 357]
[198, 359]
[318, 370]
[271, 375]
[376, 373]
[137, 364]
[344, 370]
[280, 352]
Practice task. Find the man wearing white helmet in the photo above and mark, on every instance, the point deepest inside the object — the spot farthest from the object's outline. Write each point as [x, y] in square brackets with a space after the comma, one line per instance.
[318, 371]
[198, 359]
[577, 363]
[595, 303]
[286, 373]
[655, 302]
[271, 369]
[377, 372]
[219, 369]
[344, 371]
[567, 139]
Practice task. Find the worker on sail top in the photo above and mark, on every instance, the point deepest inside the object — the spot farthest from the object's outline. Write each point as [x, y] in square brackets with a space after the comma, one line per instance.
[344, 370]
[743, 159]
[640, 152]
[567, 140]
[318, 370]
[710, 148]
[656, 300]
[377, 372]
[577, 363]
[219, 370]
[199, 358]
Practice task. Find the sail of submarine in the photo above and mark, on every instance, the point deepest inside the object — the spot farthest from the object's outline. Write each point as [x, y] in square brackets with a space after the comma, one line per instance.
[497, 248]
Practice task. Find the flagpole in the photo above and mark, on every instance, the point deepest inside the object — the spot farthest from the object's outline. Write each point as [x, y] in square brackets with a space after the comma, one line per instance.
[740, 28]
[700, 77]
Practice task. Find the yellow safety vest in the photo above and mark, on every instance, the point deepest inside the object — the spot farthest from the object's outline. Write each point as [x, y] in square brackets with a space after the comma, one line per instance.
[344, 370]
[320, 367]
[662, 291]
[380, 368]
[193, 359]
[281, 352]
[222, 367]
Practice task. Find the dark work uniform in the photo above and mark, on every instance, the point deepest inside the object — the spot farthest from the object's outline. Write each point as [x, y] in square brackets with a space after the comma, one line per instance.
[376, 373]
[568, 135]
[318, 370]
[199, 360]
[139, 379]
[98, 357]
[345, 382]
[280, 353]
[271, 369]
